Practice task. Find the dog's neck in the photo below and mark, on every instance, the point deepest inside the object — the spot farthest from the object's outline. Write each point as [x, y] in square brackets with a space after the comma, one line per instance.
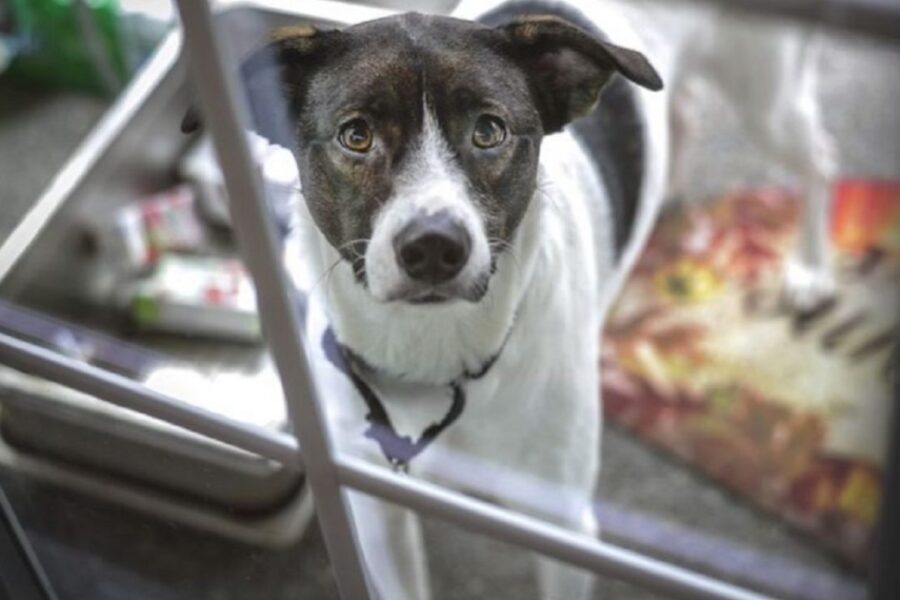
[432, 344]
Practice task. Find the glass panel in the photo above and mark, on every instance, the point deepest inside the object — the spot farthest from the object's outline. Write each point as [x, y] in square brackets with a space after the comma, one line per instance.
[449, 297]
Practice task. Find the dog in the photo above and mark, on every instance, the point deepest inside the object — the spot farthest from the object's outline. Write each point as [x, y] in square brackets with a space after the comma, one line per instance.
[472, 191]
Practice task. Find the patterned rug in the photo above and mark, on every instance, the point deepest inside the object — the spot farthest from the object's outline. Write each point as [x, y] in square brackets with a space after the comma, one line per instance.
[703, 359]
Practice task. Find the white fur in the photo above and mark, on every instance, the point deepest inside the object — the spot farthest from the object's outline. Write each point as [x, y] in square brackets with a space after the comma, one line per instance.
[531, 426]
[431, 183]
[654, 108]
[432, 343]
[529, 436]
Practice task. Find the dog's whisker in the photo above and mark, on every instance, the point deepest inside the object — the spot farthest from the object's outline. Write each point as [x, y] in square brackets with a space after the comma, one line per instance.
[327, 284]
[326, 274]
[543, 189]
[506, 247]
[351, 243]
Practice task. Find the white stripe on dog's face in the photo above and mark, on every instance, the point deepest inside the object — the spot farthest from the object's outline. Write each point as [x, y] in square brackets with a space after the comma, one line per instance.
[429, 184]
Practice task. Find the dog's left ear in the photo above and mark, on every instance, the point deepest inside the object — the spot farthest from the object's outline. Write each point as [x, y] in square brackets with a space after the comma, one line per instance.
[274, 78]
[568, 67]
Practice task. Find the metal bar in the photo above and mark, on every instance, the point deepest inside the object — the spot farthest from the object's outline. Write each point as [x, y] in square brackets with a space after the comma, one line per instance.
[429, 499]
[132, 395]
[223, 109]
[22, 573]
[86, 156]
[508, 526]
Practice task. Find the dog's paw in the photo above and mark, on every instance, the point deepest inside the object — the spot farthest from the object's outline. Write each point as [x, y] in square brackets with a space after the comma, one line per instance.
[805, 287]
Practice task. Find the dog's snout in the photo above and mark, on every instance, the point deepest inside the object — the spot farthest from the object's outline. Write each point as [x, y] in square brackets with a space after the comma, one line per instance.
[432, 248]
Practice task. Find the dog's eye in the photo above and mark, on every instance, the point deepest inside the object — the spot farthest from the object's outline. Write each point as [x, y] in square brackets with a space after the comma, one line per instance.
[356, 135]
[489, 131]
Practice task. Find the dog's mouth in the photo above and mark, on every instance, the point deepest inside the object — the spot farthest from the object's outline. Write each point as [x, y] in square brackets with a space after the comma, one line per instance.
[420, 295]
[429, 298]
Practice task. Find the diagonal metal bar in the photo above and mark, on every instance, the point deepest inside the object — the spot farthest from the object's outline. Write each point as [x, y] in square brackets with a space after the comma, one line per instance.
[223, 109]
[508, 526]
[132, 395]
[468, 513]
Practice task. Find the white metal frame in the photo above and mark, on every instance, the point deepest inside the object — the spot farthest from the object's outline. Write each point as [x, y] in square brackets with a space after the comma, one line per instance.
[330, 474]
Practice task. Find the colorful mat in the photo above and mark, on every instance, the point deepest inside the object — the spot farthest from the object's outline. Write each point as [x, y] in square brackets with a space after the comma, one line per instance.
[703, 359]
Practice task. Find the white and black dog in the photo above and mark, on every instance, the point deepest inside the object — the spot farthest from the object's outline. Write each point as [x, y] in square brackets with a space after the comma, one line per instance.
[459, 242]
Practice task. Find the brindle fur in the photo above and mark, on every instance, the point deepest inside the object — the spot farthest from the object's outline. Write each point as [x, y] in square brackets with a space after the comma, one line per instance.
[536, 73]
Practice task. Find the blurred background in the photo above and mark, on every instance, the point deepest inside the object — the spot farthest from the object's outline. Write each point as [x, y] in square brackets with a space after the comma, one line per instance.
[745, 438]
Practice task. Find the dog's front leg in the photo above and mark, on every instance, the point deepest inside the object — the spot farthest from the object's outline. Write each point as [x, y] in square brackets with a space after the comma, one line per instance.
[556, 580]
[393, 550]
[568, 468]
[570, 461]
[559, 581]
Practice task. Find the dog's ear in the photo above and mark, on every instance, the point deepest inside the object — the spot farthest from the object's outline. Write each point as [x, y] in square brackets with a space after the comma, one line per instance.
[273, 80]
[568, 67]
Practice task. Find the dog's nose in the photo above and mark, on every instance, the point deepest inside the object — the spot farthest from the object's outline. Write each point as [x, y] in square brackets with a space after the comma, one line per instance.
[432, 248]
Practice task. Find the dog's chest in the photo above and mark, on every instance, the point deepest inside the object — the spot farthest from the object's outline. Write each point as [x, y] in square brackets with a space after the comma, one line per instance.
[543, 382]
[541, 385]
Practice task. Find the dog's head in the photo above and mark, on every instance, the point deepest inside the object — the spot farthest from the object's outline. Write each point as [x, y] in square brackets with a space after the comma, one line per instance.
[417, 137]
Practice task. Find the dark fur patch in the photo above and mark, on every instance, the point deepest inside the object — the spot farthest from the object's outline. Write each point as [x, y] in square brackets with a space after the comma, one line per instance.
[613, 133]
[535, 74]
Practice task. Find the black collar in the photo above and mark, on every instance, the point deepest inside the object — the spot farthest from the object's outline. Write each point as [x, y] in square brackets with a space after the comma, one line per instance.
[398, 449]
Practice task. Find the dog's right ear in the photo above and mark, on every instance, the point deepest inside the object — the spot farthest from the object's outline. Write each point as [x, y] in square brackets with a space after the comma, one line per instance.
[568, 67]
[273, 79]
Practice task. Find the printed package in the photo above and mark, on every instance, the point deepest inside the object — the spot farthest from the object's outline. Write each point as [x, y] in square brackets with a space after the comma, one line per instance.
[703, 358]
[192, 295]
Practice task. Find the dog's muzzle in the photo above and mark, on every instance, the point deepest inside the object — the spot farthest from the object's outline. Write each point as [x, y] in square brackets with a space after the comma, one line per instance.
[432, 249]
